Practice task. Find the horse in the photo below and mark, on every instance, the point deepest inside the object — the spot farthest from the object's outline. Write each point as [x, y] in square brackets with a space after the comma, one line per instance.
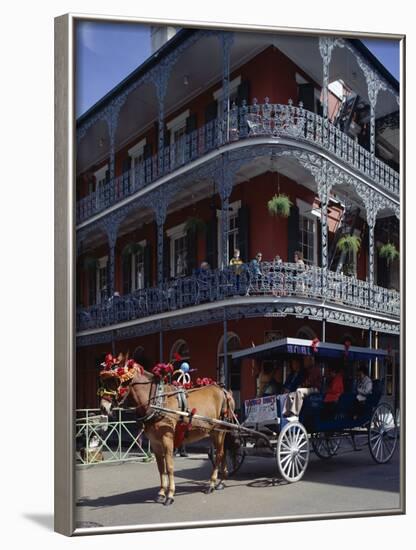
[163, 429]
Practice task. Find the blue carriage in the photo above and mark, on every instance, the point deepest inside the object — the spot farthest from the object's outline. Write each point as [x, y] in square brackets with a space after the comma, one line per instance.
[265, 431]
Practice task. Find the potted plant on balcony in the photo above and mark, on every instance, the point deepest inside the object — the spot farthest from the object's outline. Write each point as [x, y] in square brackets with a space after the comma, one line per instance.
[349, 245]
[279, 205]
[389, 252]
[195, 225]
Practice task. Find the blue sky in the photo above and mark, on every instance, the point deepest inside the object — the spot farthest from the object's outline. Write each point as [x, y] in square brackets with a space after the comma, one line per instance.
[108, 52]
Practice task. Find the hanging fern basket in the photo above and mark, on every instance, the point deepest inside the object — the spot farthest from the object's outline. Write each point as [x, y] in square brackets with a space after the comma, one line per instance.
[389, 252]
[279, 205]
[349, 244]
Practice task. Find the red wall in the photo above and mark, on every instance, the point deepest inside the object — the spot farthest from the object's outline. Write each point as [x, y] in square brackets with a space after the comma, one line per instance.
[203, 345]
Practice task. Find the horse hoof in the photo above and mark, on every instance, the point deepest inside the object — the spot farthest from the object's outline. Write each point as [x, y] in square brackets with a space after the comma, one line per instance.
[209, 490]
[220, 486]
[169, 501]
[161, 499]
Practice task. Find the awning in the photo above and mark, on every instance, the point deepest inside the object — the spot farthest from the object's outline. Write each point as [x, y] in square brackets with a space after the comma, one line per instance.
[299, 346]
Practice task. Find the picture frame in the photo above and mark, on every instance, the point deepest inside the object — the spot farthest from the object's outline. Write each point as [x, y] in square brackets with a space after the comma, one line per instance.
[65, 297]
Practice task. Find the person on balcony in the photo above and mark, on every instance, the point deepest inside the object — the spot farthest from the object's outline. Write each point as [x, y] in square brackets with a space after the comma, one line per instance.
[256, 272]
[364, 389]
[310, 385]
[298, 259]
[236, 263]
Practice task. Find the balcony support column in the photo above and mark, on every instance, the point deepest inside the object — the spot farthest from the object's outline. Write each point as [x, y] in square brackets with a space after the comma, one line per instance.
[223, 375]
[111, 226]
[225, 186]
[111, 117]
[160, 212]
[326, 45]
[371, 222]
[160, 79]
[227, 39]
[323, 193]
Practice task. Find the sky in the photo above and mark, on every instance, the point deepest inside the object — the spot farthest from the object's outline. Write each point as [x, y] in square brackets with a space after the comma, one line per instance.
[108, 52]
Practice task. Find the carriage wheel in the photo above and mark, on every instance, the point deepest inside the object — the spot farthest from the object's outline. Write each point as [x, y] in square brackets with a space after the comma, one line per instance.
[234, 458]
[292, 452]
[382, 433]
[325, 446]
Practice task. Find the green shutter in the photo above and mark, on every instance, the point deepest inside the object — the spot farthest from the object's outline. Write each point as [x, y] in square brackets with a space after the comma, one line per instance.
[212, 242]
[211, 111]
[125, 168]
[191, 123]
[191, 251]
[293, 233]
[319, 240]
[243, 233]
[166, 258]
[126, 267]
[147, 253]
[307, 96]
[243, 92]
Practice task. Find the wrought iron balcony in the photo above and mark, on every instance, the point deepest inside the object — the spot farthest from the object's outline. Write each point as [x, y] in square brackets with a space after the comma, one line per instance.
[274, 280]
[247, 121]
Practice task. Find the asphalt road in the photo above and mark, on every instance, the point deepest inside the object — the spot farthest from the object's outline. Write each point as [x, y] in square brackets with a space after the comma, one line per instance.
[123, 494]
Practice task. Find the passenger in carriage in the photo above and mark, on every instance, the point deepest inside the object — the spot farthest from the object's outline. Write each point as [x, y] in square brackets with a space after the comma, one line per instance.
[268, 384]
[295, 377]
[364, 389]
[334, 390]
[310, 385]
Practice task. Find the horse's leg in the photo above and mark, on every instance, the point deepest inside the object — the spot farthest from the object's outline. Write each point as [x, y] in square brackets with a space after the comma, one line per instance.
[167, 442]
[161, 465]
[218, 439]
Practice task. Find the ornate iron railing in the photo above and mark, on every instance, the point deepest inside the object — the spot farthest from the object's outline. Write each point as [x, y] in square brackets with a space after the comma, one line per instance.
[101, 440]
[246, 121]
[272, 279]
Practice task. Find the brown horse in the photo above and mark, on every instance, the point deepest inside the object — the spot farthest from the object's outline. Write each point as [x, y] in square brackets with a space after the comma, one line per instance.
[143, 390]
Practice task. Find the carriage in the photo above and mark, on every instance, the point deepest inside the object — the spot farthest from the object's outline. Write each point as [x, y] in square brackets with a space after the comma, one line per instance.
[266, 432]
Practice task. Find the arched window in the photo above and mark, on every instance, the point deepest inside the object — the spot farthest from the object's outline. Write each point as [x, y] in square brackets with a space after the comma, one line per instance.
[234, 374]
[181, 348]
[306, 333]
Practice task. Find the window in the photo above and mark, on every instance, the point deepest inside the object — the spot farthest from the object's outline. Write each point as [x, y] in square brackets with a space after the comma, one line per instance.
[101, 280]
[178, 251]
[308, 232]
[177, 129]
[232, 241]
[181, 348]
[137, 267]
[136, 154]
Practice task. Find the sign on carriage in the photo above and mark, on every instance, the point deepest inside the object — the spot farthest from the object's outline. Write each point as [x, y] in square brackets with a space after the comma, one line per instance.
[259, 410]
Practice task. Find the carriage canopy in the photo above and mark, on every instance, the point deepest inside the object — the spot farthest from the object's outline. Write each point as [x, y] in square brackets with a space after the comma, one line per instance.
[299, 346]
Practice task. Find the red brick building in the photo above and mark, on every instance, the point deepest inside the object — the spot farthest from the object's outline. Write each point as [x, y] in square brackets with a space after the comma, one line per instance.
[176, 167]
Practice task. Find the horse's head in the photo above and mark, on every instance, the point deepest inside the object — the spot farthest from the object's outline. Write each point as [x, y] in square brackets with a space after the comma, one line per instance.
[108, 393]
[115, 385]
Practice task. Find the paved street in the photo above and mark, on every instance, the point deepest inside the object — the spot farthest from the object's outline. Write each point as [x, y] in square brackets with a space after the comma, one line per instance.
[122, 494]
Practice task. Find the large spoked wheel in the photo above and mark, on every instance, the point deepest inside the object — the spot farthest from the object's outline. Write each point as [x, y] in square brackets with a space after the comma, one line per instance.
[382, 433]
[292, 452]
[325, 446]
[234, 458]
